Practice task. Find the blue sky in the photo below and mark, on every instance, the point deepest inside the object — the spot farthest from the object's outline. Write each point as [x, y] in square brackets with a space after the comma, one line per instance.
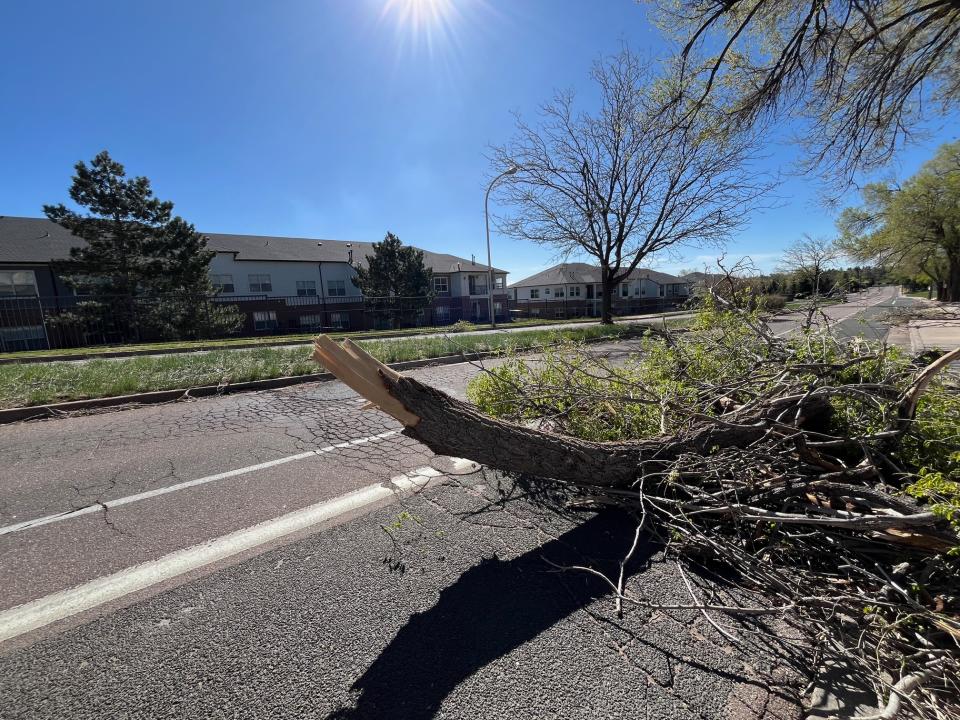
[321, 118]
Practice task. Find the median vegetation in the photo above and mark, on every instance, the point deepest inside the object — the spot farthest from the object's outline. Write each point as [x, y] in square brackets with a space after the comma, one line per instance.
[23, 385]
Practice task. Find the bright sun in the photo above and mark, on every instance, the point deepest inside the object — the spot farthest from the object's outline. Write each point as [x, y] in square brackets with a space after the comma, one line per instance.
[427, 21]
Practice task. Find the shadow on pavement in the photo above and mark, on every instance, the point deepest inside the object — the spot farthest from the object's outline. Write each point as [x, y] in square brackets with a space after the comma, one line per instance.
[491, 609]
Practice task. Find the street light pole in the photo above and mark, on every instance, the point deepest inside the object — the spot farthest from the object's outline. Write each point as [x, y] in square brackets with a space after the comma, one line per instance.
[486, 215]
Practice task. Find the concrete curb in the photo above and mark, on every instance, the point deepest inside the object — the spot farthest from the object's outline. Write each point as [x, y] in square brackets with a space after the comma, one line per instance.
[36, 412]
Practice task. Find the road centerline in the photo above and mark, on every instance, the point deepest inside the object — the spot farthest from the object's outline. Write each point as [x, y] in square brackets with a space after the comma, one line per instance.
[156, 492]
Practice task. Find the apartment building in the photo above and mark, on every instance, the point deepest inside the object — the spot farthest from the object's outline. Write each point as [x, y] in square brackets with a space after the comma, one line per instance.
[575, 289]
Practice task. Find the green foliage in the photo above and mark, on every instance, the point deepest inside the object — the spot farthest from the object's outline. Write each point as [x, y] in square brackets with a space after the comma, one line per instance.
[914, 228]
[941, 494]
[461, 326]
[394, 270]
[133, 247]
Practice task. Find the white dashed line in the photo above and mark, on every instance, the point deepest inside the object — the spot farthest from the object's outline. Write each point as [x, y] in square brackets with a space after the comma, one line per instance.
[56, 606]
[98, 507]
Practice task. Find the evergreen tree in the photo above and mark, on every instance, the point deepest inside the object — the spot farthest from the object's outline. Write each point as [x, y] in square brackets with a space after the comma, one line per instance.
[395, 279]
[135, 248]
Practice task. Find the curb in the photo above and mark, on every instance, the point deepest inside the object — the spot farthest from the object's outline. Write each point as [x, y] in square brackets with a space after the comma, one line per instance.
[37, 412]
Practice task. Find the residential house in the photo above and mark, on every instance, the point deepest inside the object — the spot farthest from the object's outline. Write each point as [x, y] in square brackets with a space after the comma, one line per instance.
[575, 289]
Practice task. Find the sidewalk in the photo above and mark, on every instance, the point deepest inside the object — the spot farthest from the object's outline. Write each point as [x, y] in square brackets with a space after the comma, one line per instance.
[938, 330]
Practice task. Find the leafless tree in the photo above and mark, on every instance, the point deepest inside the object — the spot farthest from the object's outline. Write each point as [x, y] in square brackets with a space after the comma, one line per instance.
[636, 177]
[808, 258]
[863, 73]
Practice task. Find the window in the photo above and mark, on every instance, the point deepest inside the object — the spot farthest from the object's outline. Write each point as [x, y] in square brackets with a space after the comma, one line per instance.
[336, 288]
[624, 290]
[499, 282]
[340, 320]
[535, 312]
[260, 283]
[306, 287]
[21, 283]
[25, 337]
[264, 320]
[661, 290]
[309, 322]
[441, 313]
[575, 291]
[441, 285]
[599, 291]
[546, 291]
[558, 292]
[636, 290]
[498, 308]
[559, 313]
[222, 283]
[478, 284]
[534, 293]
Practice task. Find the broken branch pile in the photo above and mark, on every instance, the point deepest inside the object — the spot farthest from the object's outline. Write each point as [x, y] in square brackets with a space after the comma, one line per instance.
[798, 469]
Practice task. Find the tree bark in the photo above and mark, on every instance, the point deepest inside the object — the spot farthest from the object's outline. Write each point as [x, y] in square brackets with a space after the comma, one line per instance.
[451, 427]
[606, 302]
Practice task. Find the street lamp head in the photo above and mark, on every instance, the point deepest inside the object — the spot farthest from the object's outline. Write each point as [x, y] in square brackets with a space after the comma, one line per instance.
[512, 170]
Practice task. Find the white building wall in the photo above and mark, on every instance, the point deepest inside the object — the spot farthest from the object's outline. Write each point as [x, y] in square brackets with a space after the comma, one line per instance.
[283, 275]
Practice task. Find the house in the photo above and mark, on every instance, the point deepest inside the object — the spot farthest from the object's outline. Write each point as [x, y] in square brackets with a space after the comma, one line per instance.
[279, 283]
[575, 289]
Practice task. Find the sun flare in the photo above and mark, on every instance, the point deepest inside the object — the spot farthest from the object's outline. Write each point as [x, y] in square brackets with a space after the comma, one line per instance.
[429, 22]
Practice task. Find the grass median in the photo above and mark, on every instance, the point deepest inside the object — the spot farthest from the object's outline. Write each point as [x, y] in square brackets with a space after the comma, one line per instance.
[23, 385]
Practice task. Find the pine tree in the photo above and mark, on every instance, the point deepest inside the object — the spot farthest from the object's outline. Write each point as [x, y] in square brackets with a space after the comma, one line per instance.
[135, 248]
[395, 282]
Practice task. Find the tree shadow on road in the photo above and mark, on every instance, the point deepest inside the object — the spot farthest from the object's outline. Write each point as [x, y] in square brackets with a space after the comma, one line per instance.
[490, 610]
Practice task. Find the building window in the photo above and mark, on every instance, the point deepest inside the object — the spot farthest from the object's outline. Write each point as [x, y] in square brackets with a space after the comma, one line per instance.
[497, 308]
[575, 291]
[559, 313]
[306, 287]
[636, 291]
[19, 283]
[477, 284]
[264, 320]
[311, 322]
[24, 337]
[499, 282]
[558, 292]
[624, 290]
[661, 290]
[441, 285]
[222, 283]
[260, 283]
[546, 291]
[535, 312]
[534, 293]
[340, 320]
[441, 313]
[336, 288]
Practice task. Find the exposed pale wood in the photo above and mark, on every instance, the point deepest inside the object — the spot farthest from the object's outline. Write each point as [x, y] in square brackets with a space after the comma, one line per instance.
[908, 403]
[361, 377]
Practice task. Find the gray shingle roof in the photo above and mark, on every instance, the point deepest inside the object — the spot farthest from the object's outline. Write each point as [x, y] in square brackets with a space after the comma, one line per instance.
[584, 274]
[38, 240]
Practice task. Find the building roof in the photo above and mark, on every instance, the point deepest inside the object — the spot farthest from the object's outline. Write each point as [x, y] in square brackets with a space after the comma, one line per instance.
[585, 274]
[38, 240]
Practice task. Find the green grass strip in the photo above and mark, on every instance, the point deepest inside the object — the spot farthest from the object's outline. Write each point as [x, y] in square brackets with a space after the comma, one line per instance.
[24, 385]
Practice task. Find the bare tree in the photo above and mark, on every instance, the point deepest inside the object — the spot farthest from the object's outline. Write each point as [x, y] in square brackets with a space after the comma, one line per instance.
[862, 73]
[808, 258]
[638, 176]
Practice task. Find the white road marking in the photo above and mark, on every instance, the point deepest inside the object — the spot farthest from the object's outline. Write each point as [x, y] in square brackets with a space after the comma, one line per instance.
[855, 310]
[69, 515]
[56, 606]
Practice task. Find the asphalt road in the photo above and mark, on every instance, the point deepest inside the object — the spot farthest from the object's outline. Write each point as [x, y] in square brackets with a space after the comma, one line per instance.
[287, 554]
[864, 315]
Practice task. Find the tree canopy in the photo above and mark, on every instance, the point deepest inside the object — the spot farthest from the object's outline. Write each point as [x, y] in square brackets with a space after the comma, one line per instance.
[394, 270]
[632, 178]
[914, 227]
[145, 267]
[861, 73]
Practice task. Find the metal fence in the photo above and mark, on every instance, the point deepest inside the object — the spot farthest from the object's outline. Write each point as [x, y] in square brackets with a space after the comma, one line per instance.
[33, 323]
